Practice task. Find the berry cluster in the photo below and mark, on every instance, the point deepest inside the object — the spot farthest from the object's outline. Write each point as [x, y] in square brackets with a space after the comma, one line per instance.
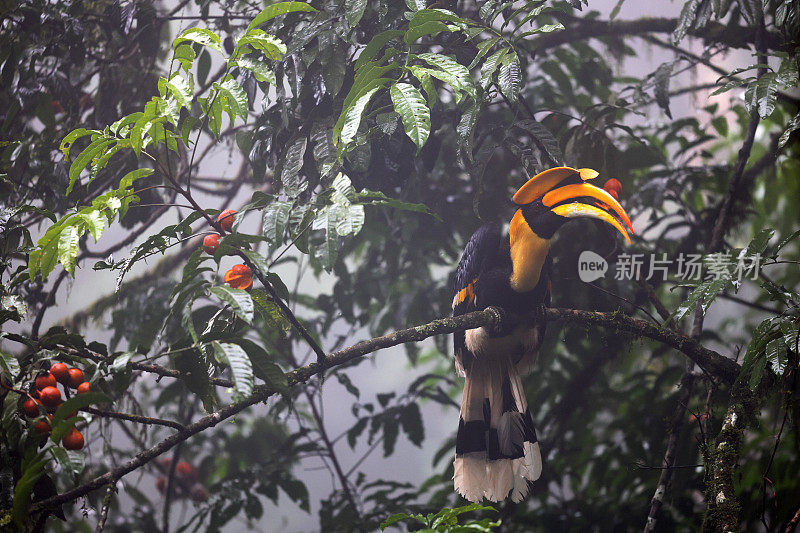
[186, 483]
[46, 398]
[240, 276]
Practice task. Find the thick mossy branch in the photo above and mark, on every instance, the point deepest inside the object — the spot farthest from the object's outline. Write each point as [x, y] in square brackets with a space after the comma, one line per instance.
[722, 506]
[716, 364]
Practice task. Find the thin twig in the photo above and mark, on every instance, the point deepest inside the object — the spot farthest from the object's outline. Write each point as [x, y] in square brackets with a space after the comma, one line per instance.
[139, 419]
[112, 488]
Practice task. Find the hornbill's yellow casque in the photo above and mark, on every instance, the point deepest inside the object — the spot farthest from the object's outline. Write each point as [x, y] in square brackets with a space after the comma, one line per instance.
[496, 447]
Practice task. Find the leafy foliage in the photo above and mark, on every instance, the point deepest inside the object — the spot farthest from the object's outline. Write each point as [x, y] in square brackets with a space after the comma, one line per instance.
[371, 139]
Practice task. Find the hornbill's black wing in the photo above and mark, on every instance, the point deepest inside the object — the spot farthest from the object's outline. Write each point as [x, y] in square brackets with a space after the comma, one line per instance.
[481, 248]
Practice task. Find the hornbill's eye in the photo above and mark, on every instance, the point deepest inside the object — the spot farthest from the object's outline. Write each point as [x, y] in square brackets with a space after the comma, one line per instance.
[563, 190]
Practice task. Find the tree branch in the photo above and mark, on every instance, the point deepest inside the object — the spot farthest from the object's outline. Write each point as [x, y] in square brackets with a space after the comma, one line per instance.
[104, 508]
[133, 418]
[735, 36]
[713, 362]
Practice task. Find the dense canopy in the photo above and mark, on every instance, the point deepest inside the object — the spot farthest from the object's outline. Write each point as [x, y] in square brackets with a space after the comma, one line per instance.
[359, 145]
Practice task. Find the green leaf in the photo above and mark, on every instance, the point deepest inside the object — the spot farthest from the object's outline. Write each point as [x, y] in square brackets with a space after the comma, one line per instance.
[9, 366]
[352, 119]
[279, 8]
[706, 292]
[466, 131]
[431, 27]
[270, 45]
[32, 470]
[275, 218]
[490, 66]
[759, 242]
[241, 367]
[543, 138]
[791, 127]
[238, 299]
[185, 55]
[292, 163]
[410, 105]
[685, 20]
[509, 79]
[762, 94]
[71, 137]
[483, 49]
[264, 368]
[546, 28]
[71, 462]
[327, 220]
[374, 46]
[201, 36]
[260, 69]
[68, 247]
[411, 422]
[97, 148]
[457, 74]
[235, 96]
[354, 10]
[95, 222]
[178, 87]
[393, 519]
[297, 491]
[662, 78]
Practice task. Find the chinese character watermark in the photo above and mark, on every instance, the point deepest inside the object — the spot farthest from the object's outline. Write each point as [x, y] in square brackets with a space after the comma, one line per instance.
[686, 267]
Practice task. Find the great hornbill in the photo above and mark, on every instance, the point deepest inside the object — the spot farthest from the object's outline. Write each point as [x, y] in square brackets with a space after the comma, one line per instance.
[497, 451]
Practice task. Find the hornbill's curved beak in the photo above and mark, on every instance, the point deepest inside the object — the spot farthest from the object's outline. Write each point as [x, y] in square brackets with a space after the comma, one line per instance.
[564, 190]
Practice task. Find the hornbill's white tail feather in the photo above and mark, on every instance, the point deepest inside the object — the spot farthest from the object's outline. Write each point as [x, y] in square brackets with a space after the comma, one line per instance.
[496, 448]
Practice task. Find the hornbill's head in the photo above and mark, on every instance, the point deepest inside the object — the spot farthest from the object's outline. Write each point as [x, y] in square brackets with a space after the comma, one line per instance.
[551, 198]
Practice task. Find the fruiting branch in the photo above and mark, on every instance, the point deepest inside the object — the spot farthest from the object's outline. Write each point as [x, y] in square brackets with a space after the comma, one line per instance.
[723, 368]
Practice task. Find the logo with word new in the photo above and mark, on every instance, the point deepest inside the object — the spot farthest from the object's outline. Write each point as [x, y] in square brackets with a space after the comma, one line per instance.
[591, 266]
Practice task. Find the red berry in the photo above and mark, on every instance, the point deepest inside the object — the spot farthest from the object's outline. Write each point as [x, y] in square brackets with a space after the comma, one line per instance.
[60, 372]
[29, 407]
[225, 219]
[161, 484]
[211, 243]
[165, 462]
[239, 277]
[41, 427]
[199, 494]
[185, 471]
[84, 387]
[46, 380]
[75, 377]
[50, 396]
[72, 440]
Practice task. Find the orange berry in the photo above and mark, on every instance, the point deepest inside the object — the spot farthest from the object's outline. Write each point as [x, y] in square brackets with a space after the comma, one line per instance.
[239, 277]
[225, 219]
[185, 471]
[60, 372]
[73, 440]
[46, 380]
[211, 243]
[50, 396]
[29, 407]
[84, 387]
[41, 427]
[75, 377]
